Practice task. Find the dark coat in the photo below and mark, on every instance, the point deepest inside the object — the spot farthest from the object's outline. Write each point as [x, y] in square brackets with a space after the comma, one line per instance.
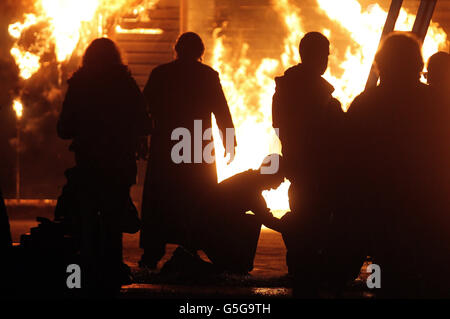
[398, 175]
[177, 94]
[104, 113]
[311, 130]
[175, 195]
[309, 121]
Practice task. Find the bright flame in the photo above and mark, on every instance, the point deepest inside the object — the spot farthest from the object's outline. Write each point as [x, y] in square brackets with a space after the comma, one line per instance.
[67, 27]
[249, 94]
[119, 29]
[18, 108]
[249, 85]
[66, 18]
[364, 28]
[27, 62]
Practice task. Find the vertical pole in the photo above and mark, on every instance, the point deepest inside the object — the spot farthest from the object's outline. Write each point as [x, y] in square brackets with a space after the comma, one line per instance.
[183, 16]
[389, 26]
[423, 18]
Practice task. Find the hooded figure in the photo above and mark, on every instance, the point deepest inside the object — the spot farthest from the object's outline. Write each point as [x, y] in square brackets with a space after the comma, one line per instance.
[310, 121]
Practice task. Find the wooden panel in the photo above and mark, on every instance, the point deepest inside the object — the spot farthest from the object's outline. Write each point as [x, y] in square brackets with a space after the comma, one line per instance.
[142, 69]
[243, 2]
[165, 13]
[164, 37]
[148, 57]
[147, 46]
[164, 24]
[168, 3]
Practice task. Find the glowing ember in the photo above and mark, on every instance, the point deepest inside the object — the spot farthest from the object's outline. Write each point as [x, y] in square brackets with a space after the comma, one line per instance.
[18, 108]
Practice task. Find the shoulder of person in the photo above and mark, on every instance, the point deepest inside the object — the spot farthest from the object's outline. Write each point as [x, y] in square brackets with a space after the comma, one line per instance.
[425, 89]
[163, 68]
[76, 77]
[288, 76]
[209, 71]
[335, 104]
[363, 100]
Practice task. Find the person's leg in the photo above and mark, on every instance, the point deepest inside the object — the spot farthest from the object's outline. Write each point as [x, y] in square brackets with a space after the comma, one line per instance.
[89, 241]
[304, 256]
[114, 203]
[152, 234]
[152, 237]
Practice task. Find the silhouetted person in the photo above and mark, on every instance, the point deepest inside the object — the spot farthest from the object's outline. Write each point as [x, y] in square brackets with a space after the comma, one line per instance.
[310, 129]
[395, 174]
[438, 75]
[104, 113]
[438, 78]
[176, 190]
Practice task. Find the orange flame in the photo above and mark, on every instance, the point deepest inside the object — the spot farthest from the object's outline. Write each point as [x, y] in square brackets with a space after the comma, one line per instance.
[69, 25]
[364, 28]
[250, 93]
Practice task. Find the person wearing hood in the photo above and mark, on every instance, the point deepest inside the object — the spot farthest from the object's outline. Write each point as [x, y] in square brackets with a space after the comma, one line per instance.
[310, 122]
[104, 114]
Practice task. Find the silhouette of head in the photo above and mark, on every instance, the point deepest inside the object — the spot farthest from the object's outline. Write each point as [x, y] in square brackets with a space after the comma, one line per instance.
[102, 52]
[439, 69]
[399, 60]
[314, 51]
[189, 46]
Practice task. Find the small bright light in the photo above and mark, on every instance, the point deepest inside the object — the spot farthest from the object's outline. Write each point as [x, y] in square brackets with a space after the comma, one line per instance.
[18, 108]
[119, 29]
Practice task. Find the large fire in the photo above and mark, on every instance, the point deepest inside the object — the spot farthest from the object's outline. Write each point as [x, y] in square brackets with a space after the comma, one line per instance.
[253, 91]
[65, 27]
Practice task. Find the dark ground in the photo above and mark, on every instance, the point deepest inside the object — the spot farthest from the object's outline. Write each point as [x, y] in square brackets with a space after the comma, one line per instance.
[268, 279]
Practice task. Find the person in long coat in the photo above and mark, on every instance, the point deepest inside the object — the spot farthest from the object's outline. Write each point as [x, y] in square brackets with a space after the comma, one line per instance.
[182, 95]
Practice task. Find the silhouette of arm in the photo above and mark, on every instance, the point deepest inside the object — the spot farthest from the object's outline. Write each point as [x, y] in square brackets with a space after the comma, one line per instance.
[221, 110]
[68, 119]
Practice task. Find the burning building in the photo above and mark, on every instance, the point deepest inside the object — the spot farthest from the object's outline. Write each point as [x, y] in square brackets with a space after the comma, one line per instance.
[248, 42]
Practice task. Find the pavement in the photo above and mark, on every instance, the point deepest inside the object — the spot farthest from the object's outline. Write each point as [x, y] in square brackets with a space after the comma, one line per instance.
[268, 279]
